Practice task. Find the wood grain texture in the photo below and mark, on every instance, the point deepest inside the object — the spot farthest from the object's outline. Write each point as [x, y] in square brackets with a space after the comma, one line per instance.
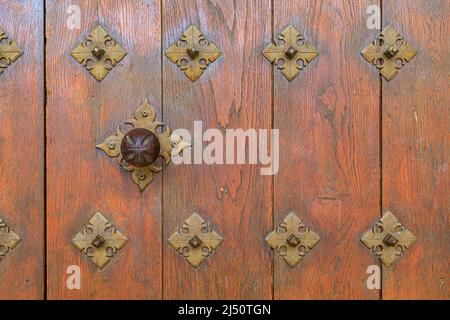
[234, 92]
[82, 180]
[329, 168]
[416, 150]
[22, 151]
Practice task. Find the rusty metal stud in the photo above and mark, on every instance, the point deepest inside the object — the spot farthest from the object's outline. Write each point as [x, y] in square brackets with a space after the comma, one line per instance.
[292, 240]
[99, 53]
[291, 53]
[138, 149]
[388, 239]
[8, 239]
[195, 240]
[9, 51]
[99, 240]
[389, 52]
[193, 53]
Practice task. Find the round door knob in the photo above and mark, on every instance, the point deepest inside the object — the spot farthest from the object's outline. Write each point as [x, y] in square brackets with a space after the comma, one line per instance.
[140, 147]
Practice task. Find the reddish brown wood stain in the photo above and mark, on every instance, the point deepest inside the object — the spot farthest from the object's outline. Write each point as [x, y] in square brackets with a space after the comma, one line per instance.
[22, 151]
[329, 169]
[416, 150]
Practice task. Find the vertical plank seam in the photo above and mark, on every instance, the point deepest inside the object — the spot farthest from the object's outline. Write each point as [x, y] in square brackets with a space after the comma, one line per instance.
[272, 125]
[380, 152]
[161, 9]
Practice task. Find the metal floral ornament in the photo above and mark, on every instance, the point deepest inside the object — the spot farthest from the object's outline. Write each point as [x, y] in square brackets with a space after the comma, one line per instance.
[292, 240]
[8, 239]
[389, 52]
[388, 239]
[99, 240]
[195, 240]
[291, 53]
[9, 51]
[193, 53]
[139, 149]
[99, 53]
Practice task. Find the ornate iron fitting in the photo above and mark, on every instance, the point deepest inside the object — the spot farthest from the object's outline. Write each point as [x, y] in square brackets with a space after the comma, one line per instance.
[193, 53]
[99, 53]
[99, 240]
[290, 53]
[389, 52]
[8, 239]
[292, 240]
[195, 240]
[388, 239]
[139, 149]
[9, 51]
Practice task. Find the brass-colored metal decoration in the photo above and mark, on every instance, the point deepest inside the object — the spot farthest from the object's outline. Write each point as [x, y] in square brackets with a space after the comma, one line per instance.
[388, 239]
[290, 53]
[8, 239]
[9, 51]
[99, 53]
[292, 240]
[195, 240]
[138, 150]
[99, 240]
[193, 53]
[389, 52]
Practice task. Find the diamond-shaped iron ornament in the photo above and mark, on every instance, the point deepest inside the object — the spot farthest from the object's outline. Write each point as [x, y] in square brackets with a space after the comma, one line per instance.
[292, 240]
[99, 240]
[9, 51]
[99, 53]
[290, 53]
[388, 239]
[389, 52]
[193, 53]
[8, 239]
[195, 240]
[137, 151]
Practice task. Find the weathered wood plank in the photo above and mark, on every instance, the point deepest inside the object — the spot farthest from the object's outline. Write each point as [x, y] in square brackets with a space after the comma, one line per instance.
[329, 168]
[83, 180]
[234, 92]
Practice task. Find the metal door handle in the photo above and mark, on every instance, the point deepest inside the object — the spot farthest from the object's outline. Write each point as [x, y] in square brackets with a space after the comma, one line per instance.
[138, 149]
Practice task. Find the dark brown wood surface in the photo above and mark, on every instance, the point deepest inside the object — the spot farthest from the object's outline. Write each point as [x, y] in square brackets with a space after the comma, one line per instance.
[416, 150]
[234, 92]
[82, 180]
[329, 169]
[22, 151]
[351, 147]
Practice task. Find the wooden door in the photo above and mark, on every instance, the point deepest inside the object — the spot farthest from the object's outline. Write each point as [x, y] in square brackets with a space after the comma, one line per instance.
[352, 146]
[81, 180]
[22, 168]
